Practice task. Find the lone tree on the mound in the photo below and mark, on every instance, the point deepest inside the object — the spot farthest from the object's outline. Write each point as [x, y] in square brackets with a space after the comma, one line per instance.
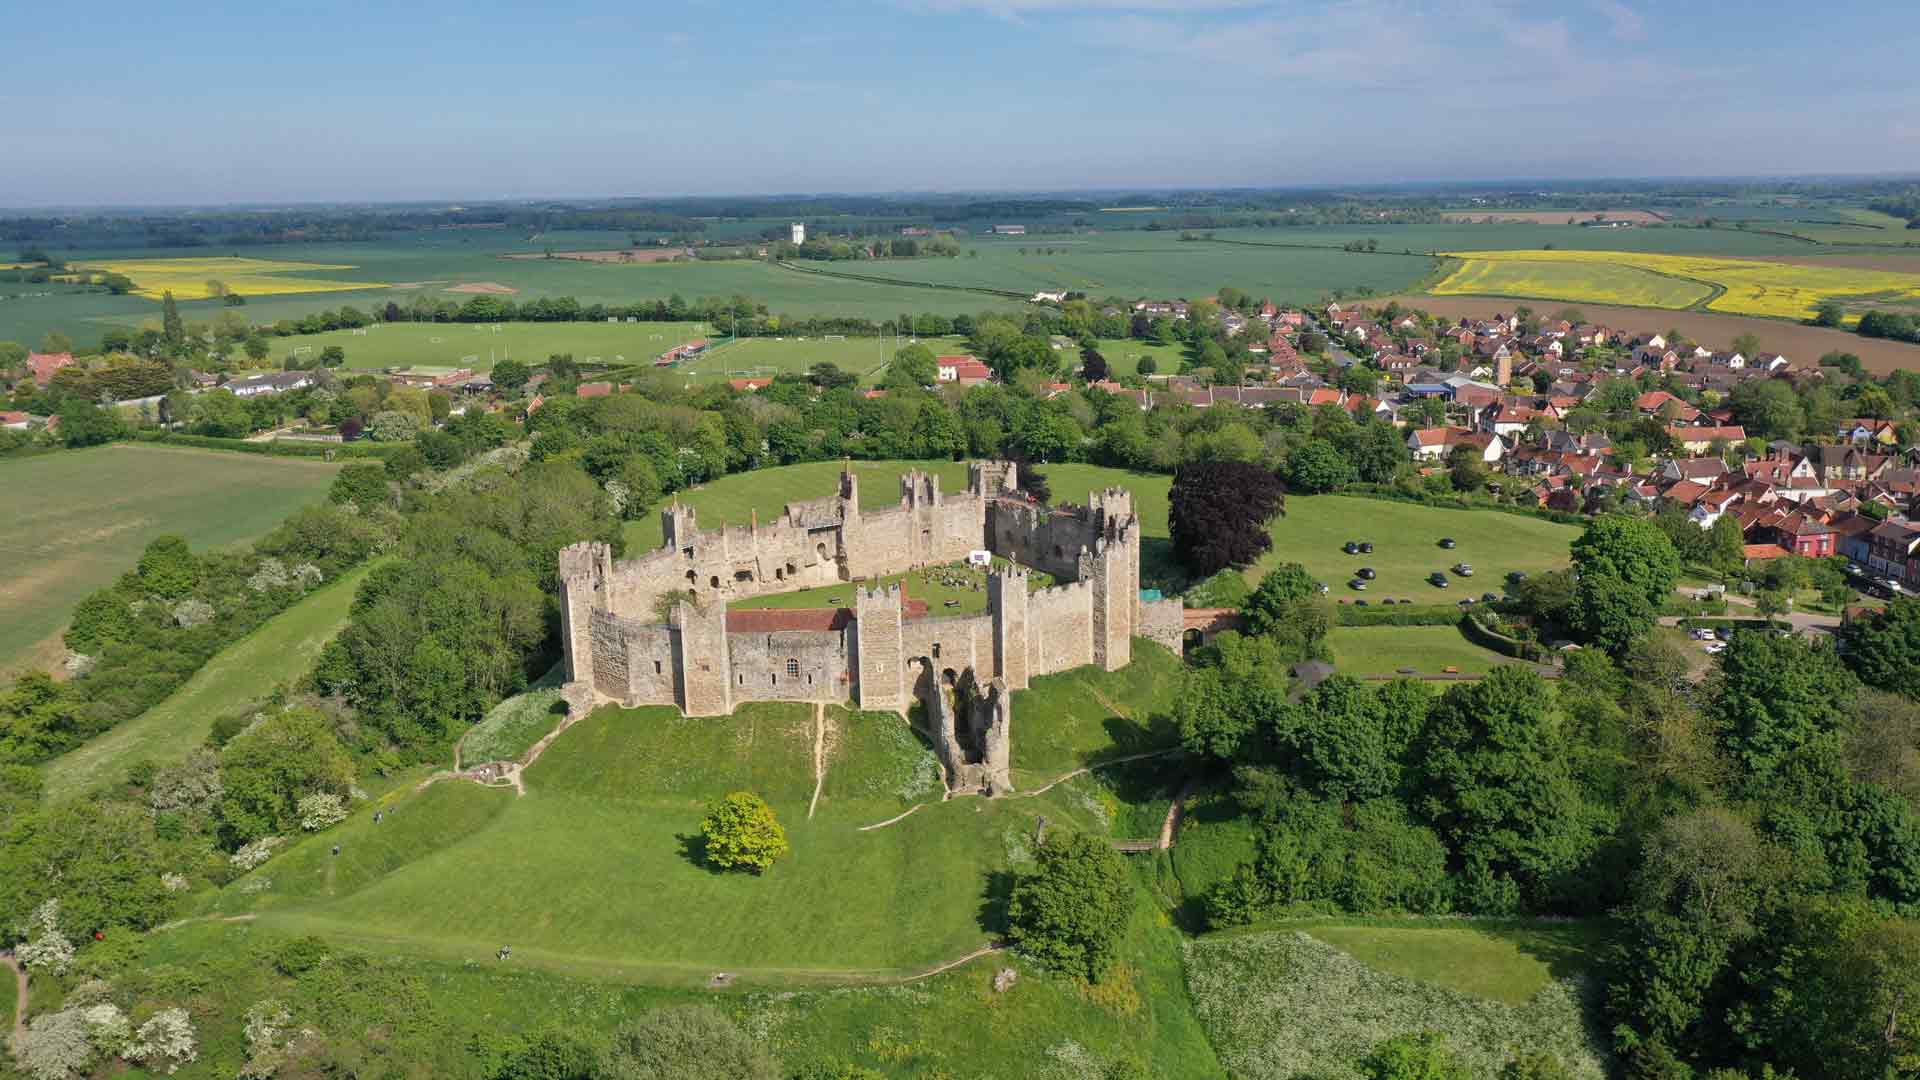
[1218, 513]
[1071, 911]
[741, 833]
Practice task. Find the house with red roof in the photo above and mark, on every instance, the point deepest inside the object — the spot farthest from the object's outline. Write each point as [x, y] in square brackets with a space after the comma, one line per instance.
[41, 366]
[749, 386]
[964, 370]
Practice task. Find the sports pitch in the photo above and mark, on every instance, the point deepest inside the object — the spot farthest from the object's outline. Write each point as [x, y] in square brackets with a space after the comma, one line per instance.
[481, 345]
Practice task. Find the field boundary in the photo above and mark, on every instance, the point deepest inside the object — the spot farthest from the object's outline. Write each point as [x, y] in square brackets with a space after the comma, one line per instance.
[871, 279]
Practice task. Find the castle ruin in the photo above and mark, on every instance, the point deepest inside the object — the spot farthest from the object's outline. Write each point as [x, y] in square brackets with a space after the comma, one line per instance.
[657, 629]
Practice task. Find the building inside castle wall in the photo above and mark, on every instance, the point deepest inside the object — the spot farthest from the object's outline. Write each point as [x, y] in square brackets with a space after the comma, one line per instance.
[791, 666]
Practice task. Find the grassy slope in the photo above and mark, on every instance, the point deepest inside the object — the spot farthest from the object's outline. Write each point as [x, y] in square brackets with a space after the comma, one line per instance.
[612, 890]
[1500, 962]
[279, 652]
[1384, 650]
[79, 518]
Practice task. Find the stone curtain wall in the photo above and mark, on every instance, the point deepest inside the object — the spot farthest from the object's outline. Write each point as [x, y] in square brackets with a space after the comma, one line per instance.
[618, 647]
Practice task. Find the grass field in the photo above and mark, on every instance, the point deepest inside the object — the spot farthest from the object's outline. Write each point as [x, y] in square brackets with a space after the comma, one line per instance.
[480, 346]
[1750, 286]
[277, 654]
[193, 278]
[1284, 1003]
[80, 518]
[1428, 650]
[1406, 546]
[609, 809]
[766, 357]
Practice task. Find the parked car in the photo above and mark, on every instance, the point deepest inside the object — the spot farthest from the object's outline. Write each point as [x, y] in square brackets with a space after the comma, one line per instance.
[1351, 548]
[1463, 569]
[1321, 586]
[1367, 572]
[1515, 577]
[1700, 635]
[1357, 585]
[1489, 598]
[1447, 542]
[1437, 579]
[1366, 547]
[1360, 603]
[1714, 648]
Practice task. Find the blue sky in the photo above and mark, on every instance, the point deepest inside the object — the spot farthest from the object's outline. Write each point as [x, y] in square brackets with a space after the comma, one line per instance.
[111, 102]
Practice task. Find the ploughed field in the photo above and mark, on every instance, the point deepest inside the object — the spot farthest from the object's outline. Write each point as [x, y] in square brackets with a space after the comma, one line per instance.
[80, 518]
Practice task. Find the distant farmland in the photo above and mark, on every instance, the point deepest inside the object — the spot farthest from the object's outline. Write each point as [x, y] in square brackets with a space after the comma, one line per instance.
[198, 278]
[93, 511]
[1736, 286]
[1793, 340]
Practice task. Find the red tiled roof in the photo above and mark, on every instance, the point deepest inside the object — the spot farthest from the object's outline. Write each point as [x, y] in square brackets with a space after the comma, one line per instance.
[1765, 551]
[749, 384]
[594, 389]
[783, 620]
[43, 365]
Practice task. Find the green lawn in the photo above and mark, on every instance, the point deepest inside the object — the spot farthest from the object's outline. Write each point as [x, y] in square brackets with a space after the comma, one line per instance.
[1498, 961]
[768, 356]
[480, 346]
[1406, 546]
[78, 519]
[1429, 650]
[278, 653]
[1086, 715]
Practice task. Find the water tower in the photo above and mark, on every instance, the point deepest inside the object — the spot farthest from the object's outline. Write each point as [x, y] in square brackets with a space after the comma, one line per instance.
[799, 230]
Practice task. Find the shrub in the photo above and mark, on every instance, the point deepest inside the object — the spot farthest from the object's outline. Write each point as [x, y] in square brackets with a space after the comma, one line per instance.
[741, 832]
[686, 1042]
[321, 810]
[164, 1042]
[1424, 1056]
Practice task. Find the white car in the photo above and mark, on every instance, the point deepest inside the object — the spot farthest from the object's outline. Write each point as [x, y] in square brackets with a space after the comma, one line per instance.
[1714, 648]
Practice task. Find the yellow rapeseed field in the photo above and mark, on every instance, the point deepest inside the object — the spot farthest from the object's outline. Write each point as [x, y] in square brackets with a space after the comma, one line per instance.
[1752, 286]
[195, 278]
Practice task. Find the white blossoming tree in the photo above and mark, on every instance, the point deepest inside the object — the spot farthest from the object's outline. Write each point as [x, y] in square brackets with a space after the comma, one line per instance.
[255, 853]
[46, 947]
[267, 1023]
[321, 810]
[165, 1042]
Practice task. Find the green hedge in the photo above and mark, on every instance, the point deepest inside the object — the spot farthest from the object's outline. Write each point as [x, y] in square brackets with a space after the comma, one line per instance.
[1481, 634]
[272, 449]
[1398, 615]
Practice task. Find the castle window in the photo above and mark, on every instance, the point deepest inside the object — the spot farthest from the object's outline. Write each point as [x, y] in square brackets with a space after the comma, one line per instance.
[743, 575]
[656, 667]
[821, 548]
[773, 680]
[692, 577]
[743, 680]
[793, 667]
[714, 581]
[779, 574]
[936, 650]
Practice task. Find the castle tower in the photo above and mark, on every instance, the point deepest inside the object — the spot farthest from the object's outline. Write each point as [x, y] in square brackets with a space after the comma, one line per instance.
[1007, 600]
[990, 478]
[880, 663]
[700, 653]
[1116, 594]
[584, 570]
[677, 526]
[849, 491]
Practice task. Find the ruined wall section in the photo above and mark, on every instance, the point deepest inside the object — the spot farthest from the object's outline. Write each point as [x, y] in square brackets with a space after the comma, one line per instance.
[927, 528]
[952, 643]
[585, 569]
[971, 729]
[791, 665]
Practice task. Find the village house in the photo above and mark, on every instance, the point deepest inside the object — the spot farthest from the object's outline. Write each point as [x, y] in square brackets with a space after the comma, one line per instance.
[41, 366]
[962, 370]
[278, 382]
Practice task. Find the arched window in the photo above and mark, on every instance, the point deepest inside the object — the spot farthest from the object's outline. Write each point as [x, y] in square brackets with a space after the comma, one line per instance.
[714, 581]
[793, 667]
[692, 577]
[821, 548]
[779, 574]
[936, 650]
